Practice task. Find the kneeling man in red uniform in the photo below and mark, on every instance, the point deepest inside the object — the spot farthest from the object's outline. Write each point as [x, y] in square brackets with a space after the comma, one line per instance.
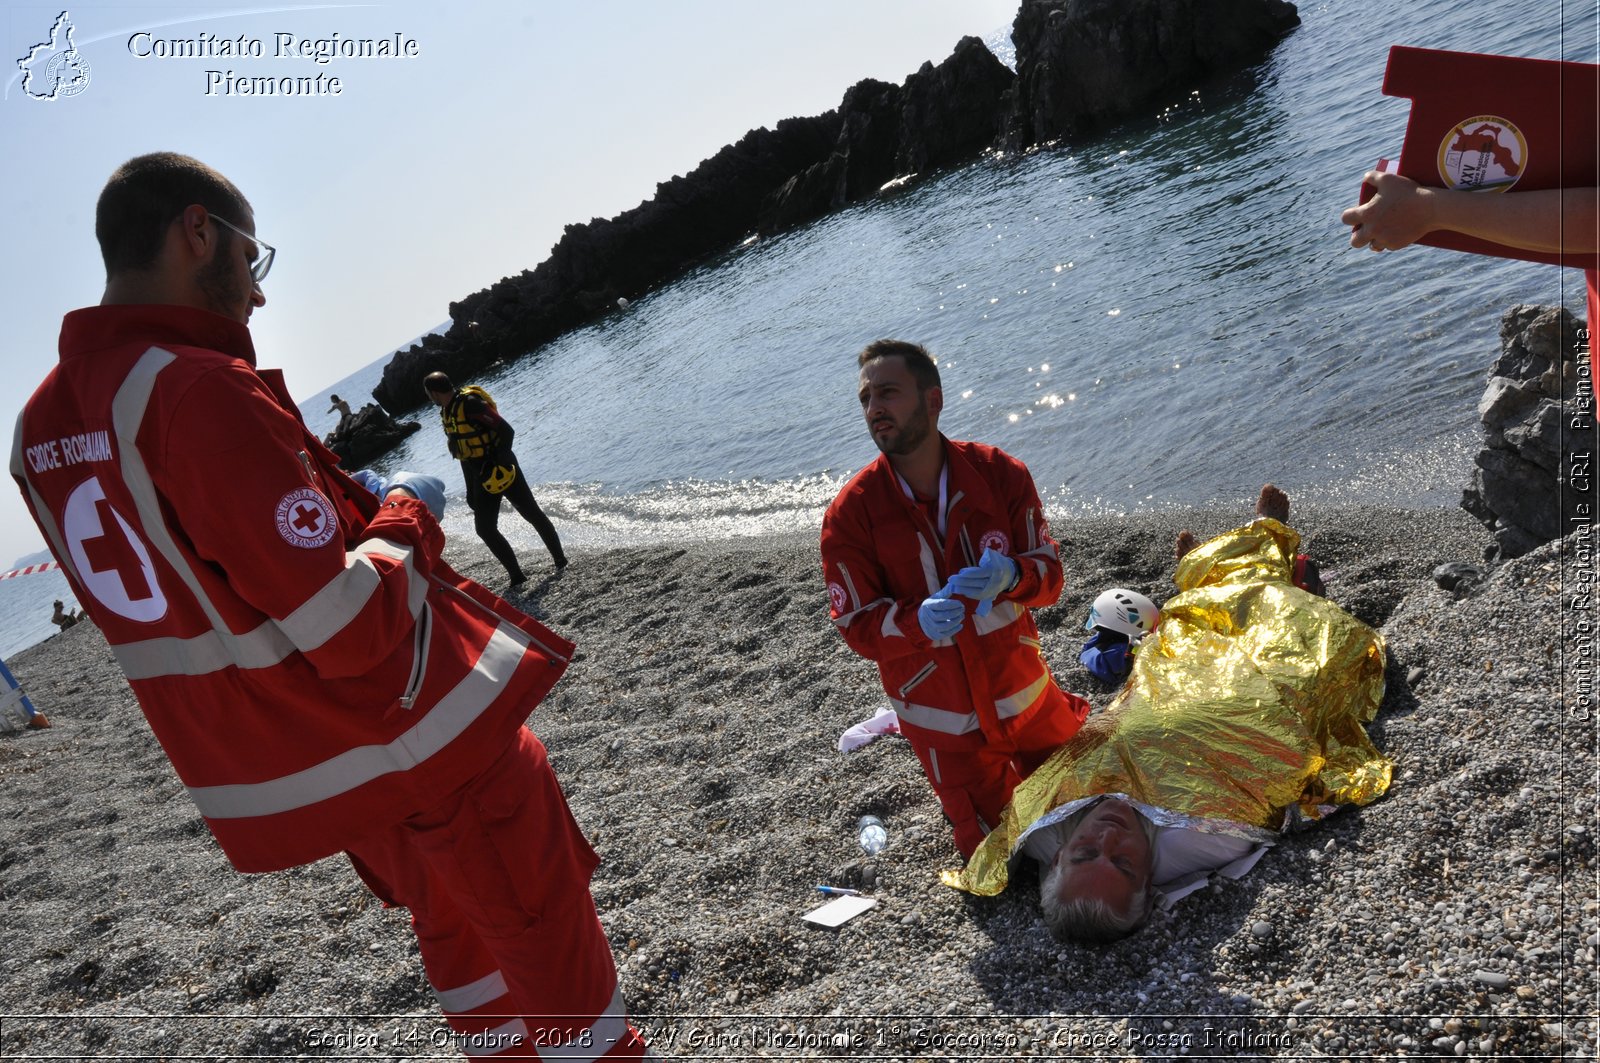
[934, 554]
[320, 678]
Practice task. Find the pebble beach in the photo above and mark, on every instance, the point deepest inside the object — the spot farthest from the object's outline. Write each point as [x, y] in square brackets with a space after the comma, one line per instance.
[696, 737]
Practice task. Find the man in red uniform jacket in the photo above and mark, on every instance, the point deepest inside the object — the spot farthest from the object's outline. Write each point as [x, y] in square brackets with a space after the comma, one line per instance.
[320, 678]
[934, 555]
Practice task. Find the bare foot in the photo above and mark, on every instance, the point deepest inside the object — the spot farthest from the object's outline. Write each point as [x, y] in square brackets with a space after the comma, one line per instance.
[1186, 542]
[1273, 503]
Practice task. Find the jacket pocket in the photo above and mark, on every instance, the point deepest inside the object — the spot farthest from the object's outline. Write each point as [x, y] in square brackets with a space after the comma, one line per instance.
[910, 684]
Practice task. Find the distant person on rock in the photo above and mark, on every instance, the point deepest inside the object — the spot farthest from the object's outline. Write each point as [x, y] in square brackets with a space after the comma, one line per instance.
[1243, 716]
[63, 617]
[321, 679]
[1562, 220]
[481, 440]
[934, 555]
[344, 414]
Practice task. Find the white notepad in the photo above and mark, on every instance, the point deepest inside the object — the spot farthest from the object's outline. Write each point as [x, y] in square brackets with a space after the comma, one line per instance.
[840, 910]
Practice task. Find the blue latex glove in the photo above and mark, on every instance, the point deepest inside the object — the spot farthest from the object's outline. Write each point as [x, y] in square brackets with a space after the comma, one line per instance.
[941, 616]
[429, 490]
[370, 480]
[994, 574]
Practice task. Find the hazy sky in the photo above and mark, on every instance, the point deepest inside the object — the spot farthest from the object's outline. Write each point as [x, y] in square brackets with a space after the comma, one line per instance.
[428, 176]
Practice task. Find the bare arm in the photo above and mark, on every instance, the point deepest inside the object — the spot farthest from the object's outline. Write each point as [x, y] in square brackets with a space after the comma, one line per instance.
[1402, 212]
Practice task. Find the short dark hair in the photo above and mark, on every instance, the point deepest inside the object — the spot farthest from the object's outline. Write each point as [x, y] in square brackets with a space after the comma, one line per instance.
[437, 382]
[145, 194]
[916, 357]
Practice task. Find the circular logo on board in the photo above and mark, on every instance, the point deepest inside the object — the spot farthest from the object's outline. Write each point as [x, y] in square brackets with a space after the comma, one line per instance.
[995, 540]
[836, 597]
[305, 518]
[1485, 152]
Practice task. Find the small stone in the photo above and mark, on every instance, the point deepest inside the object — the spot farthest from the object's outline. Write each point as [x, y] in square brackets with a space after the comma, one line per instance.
[1554, 1030]
[1452, 1026]
[1261, 929]
[1493, 979]
[1526, 992]
[1456, 575]
[1415, 676]
[1304, 1006]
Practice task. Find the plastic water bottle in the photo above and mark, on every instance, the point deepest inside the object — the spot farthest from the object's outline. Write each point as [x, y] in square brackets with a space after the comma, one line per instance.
[872, 835]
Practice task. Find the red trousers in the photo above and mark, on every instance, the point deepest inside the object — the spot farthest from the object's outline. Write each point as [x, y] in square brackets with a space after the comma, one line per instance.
[497, 881]
[974, 785]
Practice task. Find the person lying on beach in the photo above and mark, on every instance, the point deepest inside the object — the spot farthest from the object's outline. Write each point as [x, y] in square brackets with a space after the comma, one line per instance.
[1243, 716]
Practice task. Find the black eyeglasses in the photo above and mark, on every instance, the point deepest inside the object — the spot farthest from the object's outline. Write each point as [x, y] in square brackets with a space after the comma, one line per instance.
[262, 262]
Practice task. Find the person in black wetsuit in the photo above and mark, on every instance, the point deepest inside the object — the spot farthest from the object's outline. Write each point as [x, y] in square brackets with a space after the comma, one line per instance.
[481, 440]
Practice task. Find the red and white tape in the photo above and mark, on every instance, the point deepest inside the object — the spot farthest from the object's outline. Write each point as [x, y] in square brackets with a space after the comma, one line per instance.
[30, 570]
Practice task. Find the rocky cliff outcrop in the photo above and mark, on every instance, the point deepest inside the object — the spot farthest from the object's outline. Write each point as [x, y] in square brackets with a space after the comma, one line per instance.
[1082, 64]
[366, 434]
[1530, 413]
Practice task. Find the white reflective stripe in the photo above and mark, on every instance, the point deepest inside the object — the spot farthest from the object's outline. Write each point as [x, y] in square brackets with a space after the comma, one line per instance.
[931, 719]
[1033, 531]
[1019, 702]
[930, 570]
[1000, 614]
[850, 585]
[933, 762]
[355, 767]
[1047, 550]
[341, 599]
[848, 618]
[17, 467]
[889, 625]
[127, 414]
[261, 647]
[506, 1036]
[490, 987]
[609, 1029]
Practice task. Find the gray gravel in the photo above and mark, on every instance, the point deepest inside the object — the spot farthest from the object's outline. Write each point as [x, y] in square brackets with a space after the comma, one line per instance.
[696, 737]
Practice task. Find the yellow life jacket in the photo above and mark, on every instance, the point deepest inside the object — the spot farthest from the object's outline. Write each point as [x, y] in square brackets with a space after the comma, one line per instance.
[466, 439]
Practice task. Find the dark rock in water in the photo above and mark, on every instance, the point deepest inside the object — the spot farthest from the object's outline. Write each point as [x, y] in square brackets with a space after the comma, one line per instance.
[369, 433]
[942, 115]
[1530, 435]
[1457, 575]
[1082, 64]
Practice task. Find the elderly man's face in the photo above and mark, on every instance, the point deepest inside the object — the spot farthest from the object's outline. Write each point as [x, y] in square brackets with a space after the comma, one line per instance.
[1108, 857]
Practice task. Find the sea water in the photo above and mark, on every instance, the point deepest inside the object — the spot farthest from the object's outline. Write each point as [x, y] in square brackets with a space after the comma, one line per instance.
[1168, 315]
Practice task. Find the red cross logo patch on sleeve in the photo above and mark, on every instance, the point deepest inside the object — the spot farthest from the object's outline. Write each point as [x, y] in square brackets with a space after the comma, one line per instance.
[996, 540]
[305, 519]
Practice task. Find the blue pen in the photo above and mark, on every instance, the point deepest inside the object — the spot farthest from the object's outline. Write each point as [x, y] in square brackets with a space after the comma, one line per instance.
[838, 891]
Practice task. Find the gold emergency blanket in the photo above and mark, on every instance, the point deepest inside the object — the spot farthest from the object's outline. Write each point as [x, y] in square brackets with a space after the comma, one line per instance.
[1249, 698]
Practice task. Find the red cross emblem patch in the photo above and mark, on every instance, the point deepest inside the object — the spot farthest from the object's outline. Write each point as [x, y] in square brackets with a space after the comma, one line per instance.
[305, 518]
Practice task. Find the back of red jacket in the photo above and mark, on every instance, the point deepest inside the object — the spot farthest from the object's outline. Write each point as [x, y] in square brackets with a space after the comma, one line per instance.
[311, 666]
